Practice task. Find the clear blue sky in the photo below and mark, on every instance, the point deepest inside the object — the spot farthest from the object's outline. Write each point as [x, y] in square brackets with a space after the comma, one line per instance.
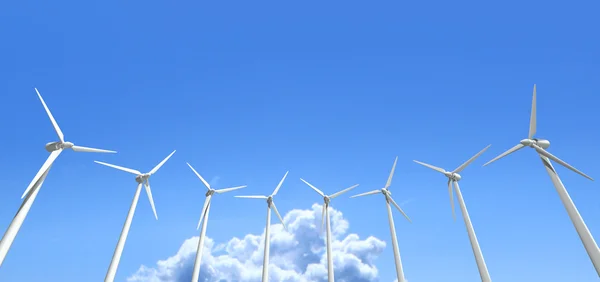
[331, 91]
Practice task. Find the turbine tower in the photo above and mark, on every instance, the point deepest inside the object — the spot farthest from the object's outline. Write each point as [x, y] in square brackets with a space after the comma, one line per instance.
[204, 214]
[141, 179]
[388, 199]
[454, 177]
[325, 214]
[540, 146]
[270, 204]
[55, 148]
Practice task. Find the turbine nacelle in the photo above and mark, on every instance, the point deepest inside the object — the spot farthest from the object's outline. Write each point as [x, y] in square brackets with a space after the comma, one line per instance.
[58, 145]
[544, 144]
[210, 192]
[326, 199]
[453, 175]
[142, 177]
[386, 191]
[269, 200]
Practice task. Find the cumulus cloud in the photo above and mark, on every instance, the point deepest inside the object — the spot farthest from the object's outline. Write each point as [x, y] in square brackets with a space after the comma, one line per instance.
[297, 255]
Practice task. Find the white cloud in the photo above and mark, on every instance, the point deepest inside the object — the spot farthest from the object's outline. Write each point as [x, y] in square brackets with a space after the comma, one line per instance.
[296, 256]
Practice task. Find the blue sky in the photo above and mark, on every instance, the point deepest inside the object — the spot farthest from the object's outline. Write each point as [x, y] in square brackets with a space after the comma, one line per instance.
[331, 92]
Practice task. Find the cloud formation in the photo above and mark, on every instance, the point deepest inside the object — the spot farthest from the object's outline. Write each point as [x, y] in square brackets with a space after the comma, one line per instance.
[298, 255]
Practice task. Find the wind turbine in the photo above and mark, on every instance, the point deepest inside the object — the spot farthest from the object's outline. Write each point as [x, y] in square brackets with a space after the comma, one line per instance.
[540, 146]
[141, 179]
[204, 214]
[55, 148]
[270, 204]
[325, 214]
[388, 199]
[453, 176]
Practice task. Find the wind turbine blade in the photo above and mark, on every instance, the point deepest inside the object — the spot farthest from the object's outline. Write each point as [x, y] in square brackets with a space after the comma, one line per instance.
[155, 169]
[398, 207]
[38, 185]
[149, 193]
[389, 182]
[322, 217]
[533, 119]
[508, 152]
[90, 150]
[343, 191]
[252, 197]
[545, 153]
[367, 193]
[61, 136]
[431, 166]
[206, 202]
[278, 215]
[451, 198]
[199, 176]
[133, 171]
[313, 187]
[279, 185]
[45, 167]
[224, 190]
[463, 166]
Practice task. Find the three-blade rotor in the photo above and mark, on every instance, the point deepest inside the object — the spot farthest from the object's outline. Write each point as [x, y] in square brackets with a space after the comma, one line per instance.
[56, 148]
[210, 192]
[270, 201]
[538, 145]
[385, 191]
[453, 176]
[142, 178]
[327, 198]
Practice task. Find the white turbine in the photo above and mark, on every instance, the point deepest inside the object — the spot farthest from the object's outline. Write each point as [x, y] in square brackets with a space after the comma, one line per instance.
[204, 214]
[540, 146]
[55, 148]
[325, 215]
[388, 199]
[141, 179]
[453, 176]
[270, 204]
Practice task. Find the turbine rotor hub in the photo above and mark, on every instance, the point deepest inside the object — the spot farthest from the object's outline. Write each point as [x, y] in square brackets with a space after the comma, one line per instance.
[58, 145]
[452, 175]
[326, 199]
[67, 145]
[455, 176]
[142, 177]
[210, 192]
[527, 142]
[544, 144]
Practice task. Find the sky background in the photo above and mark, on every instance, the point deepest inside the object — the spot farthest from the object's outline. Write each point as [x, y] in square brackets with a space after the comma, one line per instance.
[331, 91]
